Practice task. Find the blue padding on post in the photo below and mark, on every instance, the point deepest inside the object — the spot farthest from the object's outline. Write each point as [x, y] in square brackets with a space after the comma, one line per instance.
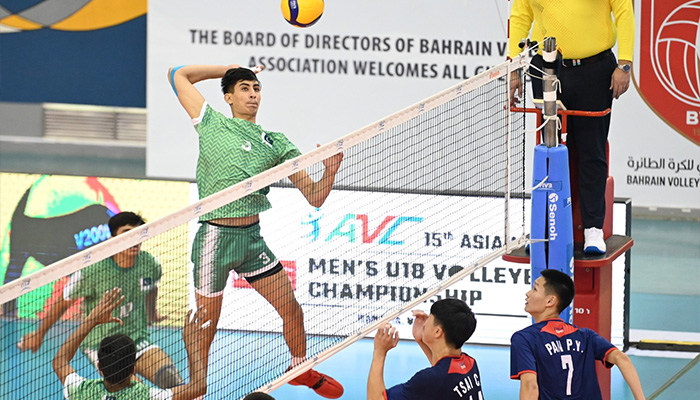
[551, 215]
[538, 260]
[559, 215]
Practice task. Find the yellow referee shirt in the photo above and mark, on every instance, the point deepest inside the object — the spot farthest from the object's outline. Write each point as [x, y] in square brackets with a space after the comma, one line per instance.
[583, 28]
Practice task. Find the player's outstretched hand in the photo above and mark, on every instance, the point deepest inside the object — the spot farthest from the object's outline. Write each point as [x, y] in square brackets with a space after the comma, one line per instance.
[418, 324]
[332, 163]
[196, 328]
[102, 313]
[31, 341]
[386, 339]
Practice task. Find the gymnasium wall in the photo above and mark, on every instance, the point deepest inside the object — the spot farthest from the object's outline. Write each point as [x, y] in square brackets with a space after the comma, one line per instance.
[94, 54]
[82, 52]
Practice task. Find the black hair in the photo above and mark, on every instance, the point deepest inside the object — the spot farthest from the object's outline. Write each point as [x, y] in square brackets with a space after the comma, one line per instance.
[235, 75]
[456, 319]
[117, 358]
[561, 285]
[258, 396]
[123, 219]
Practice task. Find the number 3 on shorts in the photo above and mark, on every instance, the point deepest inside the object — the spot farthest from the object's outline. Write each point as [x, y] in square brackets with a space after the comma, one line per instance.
[265, 259]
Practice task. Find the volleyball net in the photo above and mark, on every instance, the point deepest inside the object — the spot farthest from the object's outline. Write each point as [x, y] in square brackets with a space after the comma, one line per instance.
[423, 198]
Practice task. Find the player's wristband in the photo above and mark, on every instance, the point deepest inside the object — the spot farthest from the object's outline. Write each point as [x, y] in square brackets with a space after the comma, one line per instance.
[172, 78]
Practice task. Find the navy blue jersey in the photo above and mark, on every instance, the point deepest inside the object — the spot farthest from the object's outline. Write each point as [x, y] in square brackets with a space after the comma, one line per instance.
[450, 378]
[562, 356]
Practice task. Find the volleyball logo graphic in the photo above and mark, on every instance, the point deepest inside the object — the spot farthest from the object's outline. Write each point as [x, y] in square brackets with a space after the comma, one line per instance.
[76, 15]
[669, 63]
[677, 50]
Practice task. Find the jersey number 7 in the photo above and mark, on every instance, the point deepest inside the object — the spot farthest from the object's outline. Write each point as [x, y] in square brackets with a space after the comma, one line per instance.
[568, 363]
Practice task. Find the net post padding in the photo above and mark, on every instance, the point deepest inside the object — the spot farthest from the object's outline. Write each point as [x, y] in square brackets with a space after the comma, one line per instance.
[107, 248]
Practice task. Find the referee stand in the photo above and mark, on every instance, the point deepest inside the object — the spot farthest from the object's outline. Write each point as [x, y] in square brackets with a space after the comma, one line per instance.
[592, 272]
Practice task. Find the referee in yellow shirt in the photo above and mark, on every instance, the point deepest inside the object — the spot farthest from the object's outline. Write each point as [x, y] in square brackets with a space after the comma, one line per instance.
[586, 31]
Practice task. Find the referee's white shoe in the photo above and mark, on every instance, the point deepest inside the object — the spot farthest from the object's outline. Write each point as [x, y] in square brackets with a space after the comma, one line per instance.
[593, 241]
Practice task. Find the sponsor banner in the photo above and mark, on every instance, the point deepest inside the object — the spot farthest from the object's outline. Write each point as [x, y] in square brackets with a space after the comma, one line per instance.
[363, 253]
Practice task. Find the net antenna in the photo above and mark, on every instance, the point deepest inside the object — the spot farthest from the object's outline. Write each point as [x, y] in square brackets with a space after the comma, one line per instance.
[549, 89]
[412, 187]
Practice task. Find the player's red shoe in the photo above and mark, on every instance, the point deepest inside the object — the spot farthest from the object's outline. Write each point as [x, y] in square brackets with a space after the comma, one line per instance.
[322, 384]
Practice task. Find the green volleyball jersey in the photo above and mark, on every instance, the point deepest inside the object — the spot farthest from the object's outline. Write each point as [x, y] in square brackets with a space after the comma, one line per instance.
[136, 282]
[79, 388]
[232, 150]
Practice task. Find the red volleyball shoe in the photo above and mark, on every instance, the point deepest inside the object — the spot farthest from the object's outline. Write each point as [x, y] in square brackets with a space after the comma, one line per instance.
[322, 384]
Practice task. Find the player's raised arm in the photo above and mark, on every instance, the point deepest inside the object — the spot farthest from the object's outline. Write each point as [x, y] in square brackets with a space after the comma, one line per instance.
[420, 318]
[387, 338]
[317, 192]
[183, 78]
[101, 314]
[193, 331]
[33, 340]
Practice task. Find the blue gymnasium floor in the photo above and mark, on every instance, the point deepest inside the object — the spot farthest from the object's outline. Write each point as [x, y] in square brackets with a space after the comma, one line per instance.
[350, 366]
[665, 297]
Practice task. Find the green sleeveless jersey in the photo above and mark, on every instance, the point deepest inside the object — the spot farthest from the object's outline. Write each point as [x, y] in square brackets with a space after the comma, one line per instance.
[79, 388]
[136, 282]
[232, 150]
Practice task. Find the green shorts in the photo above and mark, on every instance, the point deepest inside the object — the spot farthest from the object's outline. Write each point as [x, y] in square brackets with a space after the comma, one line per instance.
[219, 249]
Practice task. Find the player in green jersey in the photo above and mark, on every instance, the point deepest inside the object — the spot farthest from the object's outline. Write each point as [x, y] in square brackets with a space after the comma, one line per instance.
[117, 359]
[137, 274]
[230, 151]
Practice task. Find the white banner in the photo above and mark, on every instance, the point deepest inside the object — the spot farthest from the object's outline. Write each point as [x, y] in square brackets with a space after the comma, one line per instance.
[361, 62]
[364, 253]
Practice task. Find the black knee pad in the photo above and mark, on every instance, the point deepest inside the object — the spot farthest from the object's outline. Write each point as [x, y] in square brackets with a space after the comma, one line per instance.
[167, 377]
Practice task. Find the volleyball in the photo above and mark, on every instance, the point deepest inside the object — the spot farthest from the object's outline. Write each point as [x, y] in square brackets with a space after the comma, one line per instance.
[302, 13]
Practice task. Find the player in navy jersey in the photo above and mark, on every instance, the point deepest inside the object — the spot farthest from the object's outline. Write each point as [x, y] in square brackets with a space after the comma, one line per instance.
[453, 375]
[556, 360]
